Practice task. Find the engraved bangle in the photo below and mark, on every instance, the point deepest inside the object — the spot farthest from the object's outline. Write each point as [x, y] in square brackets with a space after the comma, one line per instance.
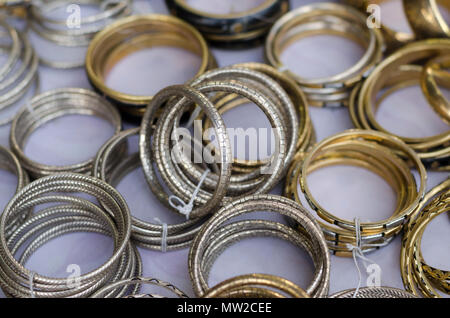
[256, 286]
[134, 33]
[425, 18]
[326, 18]
[433, 74]
[60, 33]
[144, 234]
[233, 30]
[313, 237]
[49, 106]
[374, 292]
[71, 214]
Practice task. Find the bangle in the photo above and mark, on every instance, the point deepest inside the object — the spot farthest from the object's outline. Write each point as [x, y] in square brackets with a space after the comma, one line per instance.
[425, 18]
[418, 277]
[435, 70]
[59, 32]
[326, 18]
[144, 234]
[384, 155]
[49, 106]
[432, 150]
[374, 292]
[251, 286]
[19, 73]
[135, 33]
[217, 234]
[233, 30]
[392, 38]
[10, 163]
[140, 281]
[70, 214]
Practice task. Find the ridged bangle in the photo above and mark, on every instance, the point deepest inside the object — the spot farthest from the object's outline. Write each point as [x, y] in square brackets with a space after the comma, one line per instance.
[326, 18]
[135, 33]
[214, 236]
[70, 214]
[374, 292]
[425, 18]
[232, 30]
[49, 106]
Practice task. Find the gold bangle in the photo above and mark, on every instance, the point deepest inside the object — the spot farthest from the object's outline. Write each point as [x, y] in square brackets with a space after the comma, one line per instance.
[434, 73]
[246, 286]
[392, 38]
[136, 33]
[426, 19]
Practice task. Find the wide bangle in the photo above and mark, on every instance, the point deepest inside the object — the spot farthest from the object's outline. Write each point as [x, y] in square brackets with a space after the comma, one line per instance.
[433, 74]
[234, 30]
[425, 18]
[392, 39]
[48, 106]
[135, 33]
[326, 18]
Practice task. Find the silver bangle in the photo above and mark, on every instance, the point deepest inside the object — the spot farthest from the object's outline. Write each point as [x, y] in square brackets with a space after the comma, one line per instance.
[374, 292]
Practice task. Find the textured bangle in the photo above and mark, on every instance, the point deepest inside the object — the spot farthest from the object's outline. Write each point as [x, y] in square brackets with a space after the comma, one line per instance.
[135, 33]
[425, 18]
[49, 106]
[418, 277]
[144, 234]
[71, 214]
[206, 245]
[374, 292]
[433, 151]
[251, 286]
[58, 31]
[233, 30]
[326, 18]
[140, 281]
[434, 73]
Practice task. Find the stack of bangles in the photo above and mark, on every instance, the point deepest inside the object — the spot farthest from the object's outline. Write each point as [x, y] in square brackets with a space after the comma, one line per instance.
[19, 73]
[136, 33]
[419, 278]
[64, 214]
[49, 106]
[393, 39]
[388, 157]
[326, 18]
[402, 69]
[218, 233]
[233, 30]
[62, 33]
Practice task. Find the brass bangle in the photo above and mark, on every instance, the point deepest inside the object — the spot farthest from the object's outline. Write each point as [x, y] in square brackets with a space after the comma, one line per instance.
[246, 286]
[419, 278]
[393, 39]
[426, 19]
[132, 34]
[434, 73]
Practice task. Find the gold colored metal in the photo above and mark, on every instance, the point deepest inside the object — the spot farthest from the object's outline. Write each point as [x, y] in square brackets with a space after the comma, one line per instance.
[426, 19]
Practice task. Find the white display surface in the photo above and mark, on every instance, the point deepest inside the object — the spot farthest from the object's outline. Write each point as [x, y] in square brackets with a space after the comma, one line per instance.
[347, 191]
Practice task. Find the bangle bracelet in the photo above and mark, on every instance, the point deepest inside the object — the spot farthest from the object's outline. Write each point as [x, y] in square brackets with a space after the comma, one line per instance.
[135, 33]
[425, 18]
[144, 234]
[433, 71]
[70, 214]
[374, 292]
[49, 106]
[251, 286]
[392, 38]
[432, 150]
[59, 32]
[140, 281]
[418, 277]
[233, 30]
[10, 163]
[326, 18]
[217, 233]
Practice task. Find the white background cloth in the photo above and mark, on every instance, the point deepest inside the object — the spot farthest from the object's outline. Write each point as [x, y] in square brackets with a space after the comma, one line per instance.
[347, 191]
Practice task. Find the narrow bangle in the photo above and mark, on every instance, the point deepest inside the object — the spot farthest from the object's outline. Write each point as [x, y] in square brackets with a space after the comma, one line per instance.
[374, 292]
